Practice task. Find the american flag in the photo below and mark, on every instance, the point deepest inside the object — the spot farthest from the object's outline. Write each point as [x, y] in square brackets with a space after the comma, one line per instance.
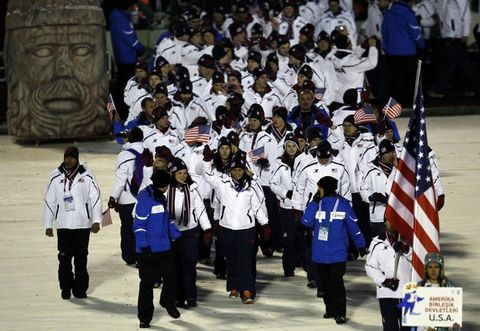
[257, 154]
[111, 109]
[364, 115]
[411, 206]
[392, 109]
[319, 93]
[197, 134]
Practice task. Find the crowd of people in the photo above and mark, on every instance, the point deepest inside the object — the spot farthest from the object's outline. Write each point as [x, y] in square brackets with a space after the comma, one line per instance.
[243, 132]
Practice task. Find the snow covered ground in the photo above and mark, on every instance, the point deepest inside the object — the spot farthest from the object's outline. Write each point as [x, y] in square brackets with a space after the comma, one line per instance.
[30, 297]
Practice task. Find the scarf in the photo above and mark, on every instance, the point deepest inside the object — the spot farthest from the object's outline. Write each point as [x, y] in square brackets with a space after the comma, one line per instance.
[184, 217]
[278, 135]
[70, 176]
[386, 168]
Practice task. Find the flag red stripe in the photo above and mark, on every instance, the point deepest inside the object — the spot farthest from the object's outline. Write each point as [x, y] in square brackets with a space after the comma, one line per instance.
[429, 210]
[399, 224]
[417, 264]
[406, 172]
[423, 237]
[403, 196]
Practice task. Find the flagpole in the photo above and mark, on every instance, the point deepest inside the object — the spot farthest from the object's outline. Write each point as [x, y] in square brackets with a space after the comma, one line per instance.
[417, 81]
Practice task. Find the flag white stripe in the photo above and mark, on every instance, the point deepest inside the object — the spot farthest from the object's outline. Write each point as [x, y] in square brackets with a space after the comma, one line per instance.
[420, 252]
[427, 226]
[403, 211]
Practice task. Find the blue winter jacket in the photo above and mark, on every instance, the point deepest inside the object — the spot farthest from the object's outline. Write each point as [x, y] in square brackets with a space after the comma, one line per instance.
[152, 225]
[401, 33]
[333, 221]
[295, 118]
[126, 47]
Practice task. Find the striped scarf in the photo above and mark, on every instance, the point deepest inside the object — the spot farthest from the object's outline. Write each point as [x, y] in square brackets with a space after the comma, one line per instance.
[386, 168]
[278, 135]
[70, 176]
[184, 217]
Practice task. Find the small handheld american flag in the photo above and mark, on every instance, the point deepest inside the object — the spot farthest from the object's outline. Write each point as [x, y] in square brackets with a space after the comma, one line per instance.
[111, 109]
[257, 154]
[319, 93]
[392, 109]
[364, 115]
[197, 134]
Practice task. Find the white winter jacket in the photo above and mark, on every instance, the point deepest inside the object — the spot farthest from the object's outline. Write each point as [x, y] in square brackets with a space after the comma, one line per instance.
[83, 199]
[280, 183]
[380, 265]
[124, 172]
[374, 181]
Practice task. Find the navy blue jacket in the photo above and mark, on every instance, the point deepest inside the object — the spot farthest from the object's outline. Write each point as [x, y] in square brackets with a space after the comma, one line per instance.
[401, 34]
[296, 117]
[152, 225]
[126, 47]
[335, 217]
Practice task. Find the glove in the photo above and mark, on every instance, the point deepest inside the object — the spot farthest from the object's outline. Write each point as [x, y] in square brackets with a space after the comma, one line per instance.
[207, 237]
[391, 283]
[266, 232]
[112, 203]
[263, 162]
[147, 254]
[289, 194]
[362, 251]
[324, 120]
[207, 154]
[379, 197]
[401, 247]
[440, 201]
[316, 198]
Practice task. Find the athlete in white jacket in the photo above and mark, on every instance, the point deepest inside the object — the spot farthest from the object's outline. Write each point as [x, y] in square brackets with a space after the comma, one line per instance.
[74, 204]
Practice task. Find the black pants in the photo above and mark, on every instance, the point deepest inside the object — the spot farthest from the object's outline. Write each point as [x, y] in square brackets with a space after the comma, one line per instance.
[124, 73]
[185, 251]
[404, 69]
[334, 295]
[273, 220]
[238, 247]
[455, 58]
[204, 251]
[127, 237]
[219, 264]
[73, 243]
[163, 264]
[391, 315]
[362, 211]
[289, 230]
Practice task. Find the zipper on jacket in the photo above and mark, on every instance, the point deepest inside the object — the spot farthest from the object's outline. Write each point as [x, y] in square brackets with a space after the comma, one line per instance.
[223, 211]
[56, 213]
[86, 208]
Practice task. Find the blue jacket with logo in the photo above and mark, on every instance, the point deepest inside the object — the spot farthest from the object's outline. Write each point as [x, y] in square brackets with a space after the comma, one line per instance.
[333, 222]
[401, 34]
[295, 117]
[152, 225]
[126, 47]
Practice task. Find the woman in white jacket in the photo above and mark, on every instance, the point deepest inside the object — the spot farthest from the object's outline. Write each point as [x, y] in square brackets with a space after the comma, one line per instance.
[282, 185]
[188, 211]
[240, 207]
[74, 203]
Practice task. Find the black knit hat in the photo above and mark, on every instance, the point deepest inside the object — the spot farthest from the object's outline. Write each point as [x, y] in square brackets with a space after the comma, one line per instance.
[236, 74]
[220, 112]
[176, 165]
[185, 87]
[308, 30]
[281, 112]
[385, 147]
[299, 132]
[237, 162]
[298, 52]
[160, 179]
[163, 152]
[350, 119]
[256, 111]
[323, 35]
[161, 89]
[235, 99]
[291, 137]
[255, 56]
[218, 77]
[141, 64]
[314, 132]
[350, 97]
[207, 61]
[308, 85]
[272, 57]
[155, 72]
[329, 185]
[223, 142]
[72, 152]
[235, 28]
[256, 29]
[257, 73]
[282, 39]
[135, 135]
[307, 71]
[218, 52]
[233, 138]
[340, 40]
[324, 150]
[160, 62]
[182, 73]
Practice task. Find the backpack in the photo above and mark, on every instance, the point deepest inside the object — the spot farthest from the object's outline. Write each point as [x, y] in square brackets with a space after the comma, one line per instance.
[145, 159]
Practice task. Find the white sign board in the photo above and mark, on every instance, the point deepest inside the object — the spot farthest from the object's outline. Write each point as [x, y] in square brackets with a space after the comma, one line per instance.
[431, 306]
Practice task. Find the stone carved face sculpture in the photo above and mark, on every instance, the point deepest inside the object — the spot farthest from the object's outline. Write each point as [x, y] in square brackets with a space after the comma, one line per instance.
[57, 79]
